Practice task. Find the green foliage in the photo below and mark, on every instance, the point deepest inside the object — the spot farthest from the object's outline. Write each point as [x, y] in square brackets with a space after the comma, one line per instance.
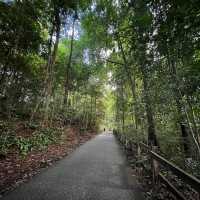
[38, 140]
[24, 145]
[155, 71]
[134, 66]
[6, 142]
[44, 137]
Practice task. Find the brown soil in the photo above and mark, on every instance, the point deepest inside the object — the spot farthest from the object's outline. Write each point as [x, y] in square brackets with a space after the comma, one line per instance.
[15, 169]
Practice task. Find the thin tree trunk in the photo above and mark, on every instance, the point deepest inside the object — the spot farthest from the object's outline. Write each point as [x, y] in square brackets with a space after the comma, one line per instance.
[123, 108]
[193, 118]
[193, 134]
[95, 109]
[67, 81]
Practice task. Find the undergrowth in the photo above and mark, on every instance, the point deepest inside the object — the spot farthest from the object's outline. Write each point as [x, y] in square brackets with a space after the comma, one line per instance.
[39, 139]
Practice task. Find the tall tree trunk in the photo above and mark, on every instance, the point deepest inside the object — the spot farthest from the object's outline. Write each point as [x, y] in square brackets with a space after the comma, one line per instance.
[193, 118]
[179, 105]
[152, 139]
[91, 111]
[123, 108]
[67, 81]
[50, 65]
[131, 80]
[41, 100]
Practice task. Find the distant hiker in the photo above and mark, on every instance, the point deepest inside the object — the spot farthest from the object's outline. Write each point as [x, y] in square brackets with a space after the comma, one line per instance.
[104, 129]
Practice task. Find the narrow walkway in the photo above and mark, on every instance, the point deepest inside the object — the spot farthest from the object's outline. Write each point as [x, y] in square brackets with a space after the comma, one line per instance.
[95, 171]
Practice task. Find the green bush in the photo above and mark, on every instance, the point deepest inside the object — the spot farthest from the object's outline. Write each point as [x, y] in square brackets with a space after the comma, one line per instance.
[40, 140]
[6, 141]
[32, 125]
[44, 137]
[23, 144]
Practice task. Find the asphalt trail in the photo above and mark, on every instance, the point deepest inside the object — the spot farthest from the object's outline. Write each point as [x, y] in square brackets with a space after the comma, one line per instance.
[95, 171]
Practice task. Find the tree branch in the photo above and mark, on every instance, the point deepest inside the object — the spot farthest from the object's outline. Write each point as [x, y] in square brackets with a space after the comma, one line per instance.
[114, 62]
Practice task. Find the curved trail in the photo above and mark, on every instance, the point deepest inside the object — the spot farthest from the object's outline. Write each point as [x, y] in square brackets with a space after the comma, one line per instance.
[95, 171]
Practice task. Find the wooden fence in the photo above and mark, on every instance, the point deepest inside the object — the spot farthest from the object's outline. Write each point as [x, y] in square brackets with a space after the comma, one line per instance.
[158, 162]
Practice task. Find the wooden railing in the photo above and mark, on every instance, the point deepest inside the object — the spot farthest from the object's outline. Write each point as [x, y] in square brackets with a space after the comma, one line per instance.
[158, 162]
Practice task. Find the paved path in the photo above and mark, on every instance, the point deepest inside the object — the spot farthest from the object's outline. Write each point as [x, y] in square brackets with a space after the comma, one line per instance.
[95, 171]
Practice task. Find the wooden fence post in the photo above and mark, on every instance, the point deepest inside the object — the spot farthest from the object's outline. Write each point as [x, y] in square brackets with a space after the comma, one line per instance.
[139, 150]
[139, 167]
[155, 168]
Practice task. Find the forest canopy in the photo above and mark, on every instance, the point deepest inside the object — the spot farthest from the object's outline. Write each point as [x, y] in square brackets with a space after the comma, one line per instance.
[132, 66]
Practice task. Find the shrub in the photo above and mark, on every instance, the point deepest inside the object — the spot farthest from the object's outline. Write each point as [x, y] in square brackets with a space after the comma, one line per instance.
[40, 140]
